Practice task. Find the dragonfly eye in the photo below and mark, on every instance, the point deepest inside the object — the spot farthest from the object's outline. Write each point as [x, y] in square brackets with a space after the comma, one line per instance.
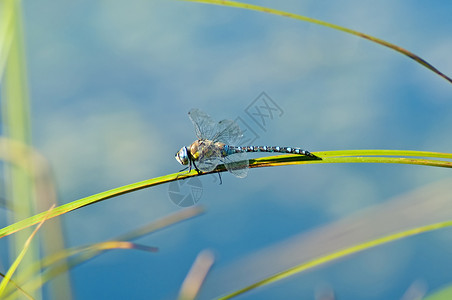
[182, 156]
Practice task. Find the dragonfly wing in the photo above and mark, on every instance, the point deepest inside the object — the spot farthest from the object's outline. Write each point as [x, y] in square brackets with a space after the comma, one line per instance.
[228, 132]
[205, 126]
[208, 164]
[237, 164]
[208, 157]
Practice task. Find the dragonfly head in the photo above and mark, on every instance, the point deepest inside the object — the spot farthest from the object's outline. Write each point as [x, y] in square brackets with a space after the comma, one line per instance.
[182, 156]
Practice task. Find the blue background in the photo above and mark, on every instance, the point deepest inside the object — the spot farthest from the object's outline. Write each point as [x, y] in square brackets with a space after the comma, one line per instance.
[111, 83]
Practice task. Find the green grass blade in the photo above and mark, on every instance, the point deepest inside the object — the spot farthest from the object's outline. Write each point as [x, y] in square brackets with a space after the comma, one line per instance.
[443, 294]
[294, 160]
[330, 25]
[427, 204]
[16, 120]
[91, 200]
[349, 156]
[6, 35]
[365, 152]
[37, 169]
[81, 254]
[338, 255]
[18, 288]
[19, 258]
[164, 222]
[154, 226]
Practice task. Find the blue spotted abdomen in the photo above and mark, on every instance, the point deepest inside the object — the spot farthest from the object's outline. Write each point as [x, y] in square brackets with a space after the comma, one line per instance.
[228, 150]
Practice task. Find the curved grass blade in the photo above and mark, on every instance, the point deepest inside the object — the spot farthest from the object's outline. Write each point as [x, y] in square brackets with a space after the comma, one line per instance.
[36, 167]
[80, 255]
[427, 204]
[154, 226]
[401, 50]
[84, 253]
[57, 262]
[19, 258]
[57, 211]
[367, 152]
[443, 294]
[339, 254]
[18, 288]
[358, 156]
[349, 156]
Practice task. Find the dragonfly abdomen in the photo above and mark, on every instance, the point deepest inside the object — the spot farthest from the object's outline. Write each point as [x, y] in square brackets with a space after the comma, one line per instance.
[291, 150]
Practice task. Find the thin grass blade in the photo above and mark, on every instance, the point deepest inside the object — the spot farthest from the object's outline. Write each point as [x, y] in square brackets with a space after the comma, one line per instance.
[443, 294]
[78, 255]
[19, 258]
[422, 206]
[401, 50]
[338, 255]
[350, 156]
[18, 288]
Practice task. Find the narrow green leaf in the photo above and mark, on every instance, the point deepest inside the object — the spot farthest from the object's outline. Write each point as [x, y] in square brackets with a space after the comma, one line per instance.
[18, 288]
[15, 110]
[6, 35]
[19, 258]
[443, 294]
[349, 156]
[330, 25]
[338, 255]
[81, 254]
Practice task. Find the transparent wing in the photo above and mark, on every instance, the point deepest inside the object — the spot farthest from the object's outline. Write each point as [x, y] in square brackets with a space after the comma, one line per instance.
[205, 126]
[209, 157]
[208, 164]
[228, 132]
[237, 164]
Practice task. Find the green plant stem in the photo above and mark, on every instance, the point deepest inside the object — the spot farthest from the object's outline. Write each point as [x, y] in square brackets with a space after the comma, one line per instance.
[346, 156]
[337, 255]
[16, 120]
[401, 50]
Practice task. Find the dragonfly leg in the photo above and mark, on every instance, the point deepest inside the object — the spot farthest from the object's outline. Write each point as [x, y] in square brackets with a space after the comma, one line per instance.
[196, 168]
[219, 175]
[184, 169]
[181, 171]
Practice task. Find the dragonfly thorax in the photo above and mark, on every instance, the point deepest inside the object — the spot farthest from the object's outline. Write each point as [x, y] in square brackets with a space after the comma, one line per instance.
[206, 148]
[200, 149]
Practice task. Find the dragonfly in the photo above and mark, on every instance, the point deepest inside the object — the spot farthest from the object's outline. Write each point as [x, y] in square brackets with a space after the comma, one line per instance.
[217, 144]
